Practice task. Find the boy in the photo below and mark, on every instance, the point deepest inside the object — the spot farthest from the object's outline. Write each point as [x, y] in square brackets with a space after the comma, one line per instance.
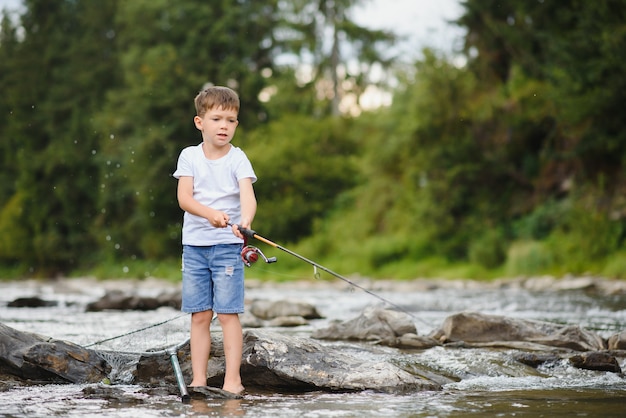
[215, 189]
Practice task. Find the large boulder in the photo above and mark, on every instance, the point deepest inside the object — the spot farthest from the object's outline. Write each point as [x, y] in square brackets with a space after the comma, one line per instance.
[29, 356]
[267, 309]
[617, 341]
[280, 360]
[121, 300]
[374, 324]
[596, 360]
[477, 328]
[272, 360]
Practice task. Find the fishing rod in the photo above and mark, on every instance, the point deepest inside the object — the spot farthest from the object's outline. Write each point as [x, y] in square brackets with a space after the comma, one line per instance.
[249, 233]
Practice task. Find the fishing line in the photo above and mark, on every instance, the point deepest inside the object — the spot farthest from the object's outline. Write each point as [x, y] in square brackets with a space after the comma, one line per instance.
[120, 359]
[136, 330]
[252, 234]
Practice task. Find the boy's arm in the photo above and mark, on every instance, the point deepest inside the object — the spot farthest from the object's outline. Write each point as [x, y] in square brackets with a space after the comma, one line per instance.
[248, 204]
[187, 203]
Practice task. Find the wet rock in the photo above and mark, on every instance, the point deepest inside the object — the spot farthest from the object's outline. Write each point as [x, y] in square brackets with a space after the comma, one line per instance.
[204, 392]
[535, 360]
[287, 321]
[473, 327]
[172, 299]
[617, 341]
[120, 300]
[272, 360]
[31, 302]
[250, 321]
[104, 392]
[374, 324]
[596, 360]
[277, 360]
[414, 341]
[266, 309]
[30, 356]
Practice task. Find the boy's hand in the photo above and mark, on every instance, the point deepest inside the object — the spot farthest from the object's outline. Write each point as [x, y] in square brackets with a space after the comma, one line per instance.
[237, 230]
[218, 219]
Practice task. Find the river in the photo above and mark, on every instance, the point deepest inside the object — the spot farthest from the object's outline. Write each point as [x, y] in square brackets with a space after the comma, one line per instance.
[487, 382]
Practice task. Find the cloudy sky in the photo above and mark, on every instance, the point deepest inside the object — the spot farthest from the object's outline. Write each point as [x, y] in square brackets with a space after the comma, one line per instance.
[423, 22]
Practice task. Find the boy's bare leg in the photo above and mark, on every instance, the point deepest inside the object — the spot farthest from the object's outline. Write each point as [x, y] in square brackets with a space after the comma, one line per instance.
[233, 349]
[200, 345]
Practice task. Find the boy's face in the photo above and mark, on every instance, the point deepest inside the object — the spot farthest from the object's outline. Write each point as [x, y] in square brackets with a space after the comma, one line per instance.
[218, 126]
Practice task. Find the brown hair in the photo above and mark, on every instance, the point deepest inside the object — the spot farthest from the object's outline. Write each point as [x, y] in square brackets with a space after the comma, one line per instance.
[216, 96]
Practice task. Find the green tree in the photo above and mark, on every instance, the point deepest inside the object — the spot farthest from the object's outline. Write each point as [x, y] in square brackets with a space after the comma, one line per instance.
[559, 65]
[168, 51]
[339, 54]
[8, 74]
[51, 100]
[303, 165]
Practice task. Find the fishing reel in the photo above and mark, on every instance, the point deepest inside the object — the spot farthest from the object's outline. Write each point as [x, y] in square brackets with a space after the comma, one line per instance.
[250, 255]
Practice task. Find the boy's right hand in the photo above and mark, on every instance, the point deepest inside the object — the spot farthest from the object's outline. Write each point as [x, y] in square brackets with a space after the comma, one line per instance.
[218, 219]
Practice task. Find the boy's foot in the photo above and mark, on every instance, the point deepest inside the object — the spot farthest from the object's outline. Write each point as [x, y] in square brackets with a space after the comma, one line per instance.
[237, 391]
[203, 392]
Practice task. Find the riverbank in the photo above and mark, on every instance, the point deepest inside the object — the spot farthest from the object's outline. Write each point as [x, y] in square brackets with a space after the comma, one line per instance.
[601, 285]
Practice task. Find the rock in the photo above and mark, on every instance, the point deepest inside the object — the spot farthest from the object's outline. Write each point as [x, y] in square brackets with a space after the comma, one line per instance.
[272, 360]
[536, 360]
[30, 356]
[250, 321]
[472, 327]
[266, 309]
[120, 300]
[204, 392]
[31, 302]
[172, 299]
[374, 324]
[288, 321]
[596, 360]
[617, 341]
[414, 341]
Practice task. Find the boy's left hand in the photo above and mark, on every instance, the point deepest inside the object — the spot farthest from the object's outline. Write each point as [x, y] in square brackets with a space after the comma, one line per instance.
[236, 231]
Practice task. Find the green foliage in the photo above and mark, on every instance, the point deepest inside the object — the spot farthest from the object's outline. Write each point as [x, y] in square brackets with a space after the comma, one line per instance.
[585, 238]
[489, 250]
[50, 99]
[542, 221]
[615, 266]
[529, 258]
[14, 242]
[303, 165]
[512, 163]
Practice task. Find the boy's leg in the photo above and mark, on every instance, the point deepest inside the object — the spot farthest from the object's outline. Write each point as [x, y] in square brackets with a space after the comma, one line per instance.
[200, 345]
[233, 349]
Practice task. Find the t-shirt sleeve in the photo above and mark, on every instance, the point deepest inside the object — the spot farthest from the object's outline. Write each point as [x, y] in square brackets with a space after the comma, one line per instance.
[183, 167]
[244, 169]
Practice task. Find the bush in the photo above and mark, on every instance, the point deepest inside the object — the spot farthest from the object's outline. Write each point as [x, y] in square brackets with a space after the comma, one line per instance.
[528, 258]
[489, 250]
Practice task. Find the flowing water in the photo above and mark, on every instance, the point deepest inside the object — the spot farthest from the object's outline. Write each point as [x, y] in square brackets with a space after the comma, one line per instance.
[487, 382]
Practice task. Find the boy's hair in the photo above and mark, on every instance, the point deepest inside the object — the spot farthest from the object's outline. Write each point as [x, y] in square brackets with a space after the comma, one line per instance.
[216, 96]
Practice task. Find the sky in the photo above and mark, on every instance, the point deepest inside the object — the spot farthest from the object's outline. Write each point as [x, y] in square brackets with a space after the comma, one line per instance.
[422, 22]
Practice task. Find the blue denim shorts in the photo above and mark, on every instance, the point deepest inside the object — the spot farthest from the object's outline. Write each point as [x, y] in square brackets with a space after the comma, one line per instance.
[213, 279]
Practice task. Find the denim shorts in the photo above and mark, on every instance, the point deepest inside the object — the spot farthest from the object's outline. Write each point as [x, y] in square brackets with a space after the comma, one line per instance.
[213, 279]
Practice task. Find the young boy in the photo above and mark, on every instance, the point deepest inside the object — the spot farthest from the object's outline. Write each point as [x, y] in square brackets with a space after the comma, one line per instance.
[215, 189]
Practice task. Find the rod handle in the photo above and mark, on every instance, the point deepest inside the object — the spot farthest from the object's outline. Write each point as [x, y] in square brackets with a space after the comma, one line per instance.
[247, 232]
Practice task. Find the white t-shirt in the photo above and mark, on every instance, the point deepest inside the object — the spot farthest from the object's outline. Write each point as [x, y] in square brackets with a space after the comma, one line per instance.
[215, 184]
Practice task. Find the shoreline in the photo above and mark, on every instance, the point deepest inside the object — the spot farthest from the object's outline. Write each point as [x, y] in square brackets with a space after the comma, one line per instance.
[600, 285]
